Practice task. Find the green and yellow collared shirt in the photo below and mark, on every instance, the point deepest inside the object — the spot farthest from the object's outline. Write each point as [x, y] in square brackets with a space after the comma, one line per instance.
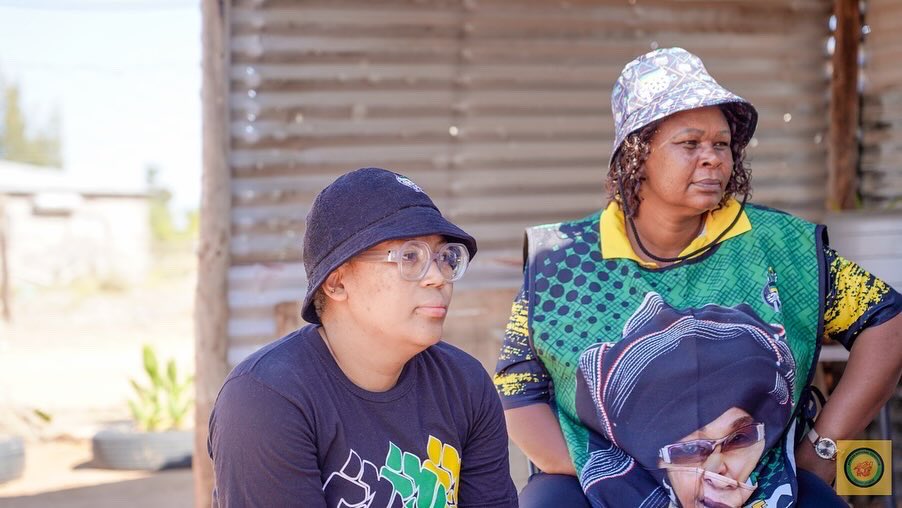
[855, 300]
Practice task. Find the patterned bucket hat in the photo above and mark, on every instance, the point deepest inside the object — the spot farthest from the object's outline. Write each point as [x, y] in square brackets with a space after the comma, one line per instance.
[667, 81]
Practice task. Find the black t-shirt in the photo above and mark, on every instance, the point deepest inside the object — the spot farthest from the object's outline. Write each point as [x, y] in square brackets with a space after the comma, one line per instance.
[290, 429]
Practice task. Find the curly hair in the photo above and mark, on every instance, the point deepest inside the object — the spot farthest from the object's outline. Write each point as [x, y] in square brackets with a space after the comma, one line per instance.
[319, 302]
[627, 170]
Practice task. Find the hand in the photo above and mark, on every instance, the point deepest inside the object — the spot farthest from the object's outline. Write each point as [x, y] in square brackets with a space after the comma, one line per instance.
[535, 429]
[808, 460]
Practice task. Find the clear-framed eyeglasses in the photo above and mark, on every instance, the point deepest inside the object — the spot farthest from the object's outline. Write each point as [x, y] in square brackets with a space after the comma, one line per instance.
[415, 257]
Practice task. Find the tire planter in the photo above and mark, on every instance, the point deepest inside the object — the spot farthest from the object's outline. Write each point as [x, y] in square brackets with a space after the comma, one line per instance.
[132, 449]
[12, 458]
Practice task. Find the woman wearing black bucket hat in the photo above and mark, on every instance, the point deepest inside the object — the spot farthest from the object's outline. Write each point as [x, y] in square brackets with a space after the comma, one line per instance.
[679, 225]
[366, 406]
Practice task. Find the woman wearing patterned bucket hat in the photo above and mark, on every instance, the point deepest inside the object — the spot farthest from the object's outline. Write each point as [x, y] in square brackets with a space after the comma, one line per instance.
[366, 406]
[678, 224]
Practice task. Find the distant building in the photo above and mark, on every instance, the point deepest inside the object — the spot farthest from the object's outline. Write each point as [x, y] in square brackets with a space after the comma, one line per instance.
[60, 229]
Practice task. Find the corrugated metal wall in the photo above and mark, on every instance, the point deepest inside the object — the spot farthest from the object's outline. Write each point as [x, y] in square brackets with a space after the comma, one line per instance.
[500, 109]
[881, 161]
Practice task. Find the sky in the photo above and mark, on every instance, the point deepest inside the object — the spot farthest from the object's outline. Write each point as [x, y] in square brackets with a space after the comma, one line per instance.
[125, 76]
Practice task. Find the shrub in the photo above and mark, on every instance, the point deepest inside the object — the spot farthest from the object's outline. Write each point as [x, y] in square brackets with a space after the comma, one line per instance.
[165, 403]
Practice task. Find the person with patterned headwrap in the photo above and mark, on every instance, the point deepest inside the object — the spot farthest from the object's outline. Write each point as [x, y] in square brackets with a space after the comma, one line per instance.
[679, 225]
[690, 399]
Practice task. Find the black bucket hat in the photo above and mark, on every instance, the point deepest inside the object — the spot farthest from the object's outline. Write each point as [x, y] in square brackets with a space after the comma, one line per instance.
[361, 209]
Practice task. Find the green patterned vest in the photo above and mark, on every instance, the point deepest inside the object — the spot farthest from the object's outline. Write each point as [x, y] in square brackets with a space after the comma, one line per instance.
[577, 298]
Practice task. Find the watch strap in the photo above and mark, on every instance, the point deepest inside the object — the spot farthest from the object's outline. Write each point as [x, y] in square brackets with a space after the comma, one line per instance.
[813, 436]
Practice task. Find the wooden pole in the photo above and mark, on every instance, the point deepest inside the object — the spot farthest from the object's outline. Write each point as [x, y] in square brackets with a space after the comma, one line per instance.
[842, 164]
[211, 308]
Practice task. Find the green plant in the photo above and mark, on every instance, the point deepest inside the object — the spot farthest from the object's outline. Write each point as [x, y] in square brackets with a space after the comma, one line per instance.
[164, 403]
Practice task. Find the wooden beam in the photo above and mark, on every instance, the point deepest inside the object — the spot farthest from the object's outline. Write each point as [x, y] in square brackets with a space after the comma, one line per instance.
[211, 306]
[842, 164]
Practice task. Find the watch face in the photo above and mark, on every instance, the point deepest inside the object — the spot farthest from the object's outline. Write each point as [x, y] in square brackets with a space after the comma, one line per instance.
[825, 448]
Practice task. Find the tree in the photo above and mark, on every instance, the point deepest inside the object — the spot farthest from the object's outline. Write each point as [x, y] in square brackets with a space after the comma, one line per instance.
[19, 143]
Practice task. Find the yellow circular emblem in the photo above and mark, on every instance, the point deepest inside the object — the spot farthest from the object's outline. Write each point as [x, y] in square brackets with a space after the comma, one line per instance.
[863, 467]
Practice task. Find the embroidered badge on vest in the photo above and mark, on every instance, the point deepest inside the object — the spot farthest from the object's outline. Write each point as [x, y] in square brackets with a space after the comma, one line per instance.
[769, 293]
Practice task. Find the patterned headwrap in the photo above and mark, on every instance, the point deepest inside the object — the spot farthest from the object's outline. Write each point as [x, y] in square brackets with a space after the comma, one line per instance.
[673, 372]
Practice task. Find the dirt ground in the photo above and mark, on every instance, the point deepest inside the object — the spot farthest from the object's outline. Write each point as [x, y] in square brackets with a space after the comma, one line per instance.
[68, 354]
[58, 474]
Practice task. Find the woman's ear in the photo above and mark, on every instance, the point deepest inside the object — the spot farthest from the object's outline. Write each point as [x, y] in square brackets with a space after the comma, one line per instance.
[333, 287]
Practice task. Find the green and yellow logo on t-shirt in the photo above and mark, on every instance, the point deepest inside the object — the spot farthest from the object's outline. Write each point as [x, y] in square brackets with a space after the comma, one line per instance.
[432, 482]
[404, 480]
